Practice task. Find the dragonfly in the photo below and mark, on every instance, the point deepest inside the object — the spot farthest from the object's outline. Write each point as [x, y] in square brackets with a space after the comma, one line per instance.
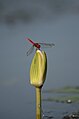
[38, 45]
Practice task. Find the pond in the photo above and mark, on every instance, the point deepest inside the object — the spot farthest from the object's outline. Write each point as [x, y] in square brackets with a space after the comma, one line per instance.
[17, 96]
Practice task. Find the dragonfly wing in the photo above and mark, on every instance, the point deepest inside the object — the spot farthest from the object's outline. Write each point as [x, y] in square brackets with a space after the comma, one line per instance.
[47, 45]
[30, 50]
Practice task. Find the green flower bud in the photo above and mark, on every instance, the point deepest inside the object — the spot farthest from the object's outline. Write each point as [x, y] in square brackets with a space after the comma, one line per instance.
[38, 69]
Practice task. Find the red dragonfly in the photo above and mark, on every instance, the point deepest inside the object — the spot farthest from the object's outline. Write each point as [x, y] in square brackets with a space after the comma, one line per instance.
[38, 45]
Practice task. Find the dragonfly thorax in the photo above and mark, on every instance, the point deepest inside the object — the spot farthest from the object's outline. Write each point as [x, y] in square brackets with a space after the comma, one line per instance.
[37, 45]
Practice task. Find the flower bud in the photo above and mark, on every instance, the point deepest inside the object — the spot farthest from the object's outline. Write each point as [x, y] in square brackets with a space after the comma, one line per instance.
[38, 69]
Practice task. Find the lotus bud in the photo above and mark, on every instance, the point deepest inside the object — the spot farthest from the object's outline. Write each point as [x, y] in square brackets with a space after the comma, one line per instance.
[38, 69]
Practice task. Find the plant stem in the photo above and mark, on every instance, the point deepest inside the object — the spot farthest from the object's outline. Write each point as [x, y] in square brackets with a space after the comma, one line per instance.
[38, 103]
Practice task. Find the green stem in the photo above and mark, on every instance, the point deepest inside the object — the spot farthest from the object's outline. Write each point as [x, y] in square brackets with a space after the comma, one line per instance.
[38, 103]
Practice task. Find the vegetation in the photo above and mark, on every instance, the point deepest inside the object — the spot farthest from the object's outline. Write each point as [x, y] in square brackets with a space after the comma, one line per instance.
[66, 89]
[69, 95]
[65, 99]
